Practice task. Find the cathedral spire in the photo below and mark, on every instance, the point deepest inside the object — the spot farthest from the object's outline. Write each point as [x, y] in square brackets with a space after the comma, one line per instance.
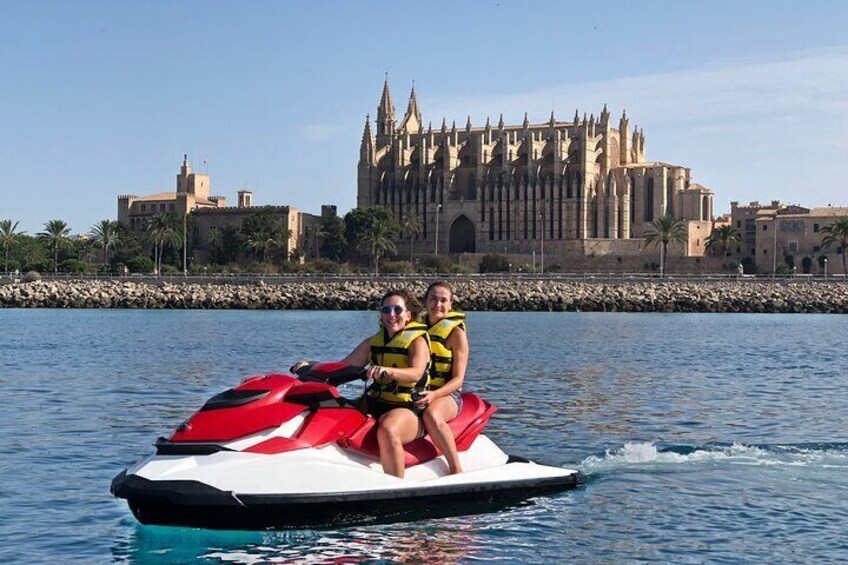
[468, 124]
[552, 121]
[386, 113]
[444, 125]
[366, 148]
[526, 123]
[501, 123]
[412, 119]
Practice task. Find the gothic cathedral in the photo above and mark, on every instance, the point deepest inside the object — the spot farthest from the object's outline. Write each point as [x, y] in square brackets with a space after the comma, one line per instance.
[578, 186]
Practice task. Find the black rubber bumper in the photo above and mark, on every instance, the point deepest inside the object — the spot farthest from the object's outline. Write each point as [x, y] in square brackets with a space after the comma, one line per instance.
[194, 504]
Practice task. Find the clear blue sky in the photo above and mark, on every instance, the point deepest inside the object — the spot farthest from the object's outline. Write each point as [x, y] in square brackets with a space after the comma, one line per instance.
[103, 98]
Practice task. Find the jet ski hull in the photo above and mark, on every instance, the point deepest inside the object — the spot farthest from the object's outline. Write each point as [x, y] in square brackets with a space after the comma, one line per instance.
[195, 504]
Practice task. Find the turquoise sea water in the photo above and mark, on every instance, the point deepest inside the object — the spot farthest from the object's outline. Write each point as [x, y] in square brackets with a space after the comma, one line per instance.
[705, 438]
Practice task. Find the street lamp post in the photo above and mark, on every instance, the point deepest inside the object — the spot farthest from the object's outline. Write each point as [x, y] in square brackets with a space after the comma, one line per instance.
[438, 208]
[185, 239]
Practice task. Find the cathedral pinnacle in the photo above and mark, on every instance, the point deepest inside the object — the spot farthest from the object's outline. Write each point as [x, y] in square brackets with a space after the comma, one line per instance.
[385, 114]
[526, 123]
[501, 122]
[468, 124]
[412, 107]
[444, 125]
[552, 121]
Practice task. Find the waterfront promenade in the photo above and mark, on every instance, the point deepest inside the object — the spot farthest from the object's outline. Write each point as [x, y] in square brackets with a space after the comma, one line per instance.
[586, 293]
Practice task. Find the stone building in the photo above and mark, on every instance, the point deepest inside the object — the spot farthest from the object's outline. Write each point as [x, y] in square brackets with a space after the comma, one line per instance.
[792, 236]
[193, 193]
[192, 197]
[580, 186]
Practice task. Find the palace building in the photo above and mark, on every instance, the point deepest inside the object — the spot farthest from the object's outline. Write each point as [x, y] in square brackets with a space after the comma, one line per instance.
[580, 186]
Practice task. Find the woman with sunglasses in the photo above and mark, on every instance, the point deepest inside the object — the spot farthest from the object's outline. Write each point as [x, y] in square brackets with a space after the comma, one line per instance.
[449, 358]
[400, 358]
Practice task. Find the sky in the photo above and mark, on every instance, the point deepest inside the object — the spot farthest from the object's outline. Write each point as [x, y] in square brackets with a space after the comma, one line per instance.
[101, 98]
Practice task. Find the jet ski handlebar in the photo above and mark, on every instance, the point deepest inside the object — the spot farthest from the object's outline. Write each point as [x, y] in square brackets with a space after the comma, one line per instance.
[332, 373]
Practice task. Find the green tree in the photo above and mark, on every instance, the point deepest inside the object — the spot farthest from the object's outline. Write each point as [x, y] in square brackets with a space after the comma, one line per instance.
[263, 244]
[333, 242]
[162, 230]
[663, 231]
[411, 227]
[836, 233]
[84, 248]
[225, 243]
[378, 238]
[264, 233]
[56, 235]
[314, 234]
[106, 234]
[722, 239]
[8, 236]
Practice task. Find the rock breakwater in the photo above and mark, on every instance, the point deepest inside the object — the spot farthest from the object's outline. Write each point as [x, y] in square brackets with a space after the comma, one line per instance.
[473, 295]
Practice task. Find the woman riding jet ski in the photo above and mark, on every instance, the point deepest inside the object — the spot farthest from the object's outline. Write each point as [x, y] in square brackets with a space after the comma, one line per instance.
[285, 451]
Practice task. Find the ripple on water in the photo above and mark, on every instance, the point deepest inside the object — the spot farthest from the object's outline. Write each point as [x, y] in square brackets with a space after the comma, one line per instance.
[702, 441]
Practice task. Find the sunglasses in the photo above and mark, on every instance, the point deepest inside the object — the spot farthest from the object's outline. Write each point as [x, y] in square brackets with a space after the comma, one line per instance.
[386, 310]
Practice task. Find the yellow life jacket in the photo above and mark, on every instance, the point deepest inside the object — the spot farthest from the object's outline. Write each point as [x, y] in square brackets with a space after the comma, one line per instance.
[395, 352]
[441, 358]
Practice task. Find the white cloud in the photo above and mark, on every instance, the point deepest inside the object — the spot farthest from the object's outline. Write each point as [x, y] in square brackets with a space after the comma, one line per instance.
[767, 129]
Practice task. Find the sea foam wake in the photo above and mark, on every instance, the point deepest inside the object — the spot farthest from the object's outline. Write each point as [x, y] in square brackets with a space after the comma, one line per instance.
[649, 456]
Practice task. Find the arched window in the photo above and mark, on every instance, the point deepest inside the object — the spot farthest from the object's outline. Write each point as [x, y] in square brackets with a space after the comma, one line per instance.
[649, 201]
[471, 189]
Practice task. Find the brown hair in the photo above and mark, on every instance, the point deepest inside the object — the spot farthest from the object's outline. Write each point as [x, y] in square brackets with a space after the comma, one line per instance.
[436, 284]
[409, 299]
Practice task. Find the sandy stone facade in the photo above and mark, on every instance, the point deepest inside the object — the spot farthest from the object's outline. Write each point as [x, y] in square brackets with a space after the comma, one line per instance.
[193, 193]
[506, 188]
[192, 196]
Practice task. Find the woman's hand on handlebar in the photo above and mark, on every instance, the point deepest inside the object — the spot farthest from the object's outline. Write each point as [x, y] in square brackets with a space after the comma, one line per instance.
[378, 374]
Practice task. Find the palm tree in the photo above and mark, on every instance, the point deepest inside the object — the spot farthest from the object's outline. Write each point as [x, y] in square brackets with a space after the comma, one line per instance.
[665, 230]
[723, 238]
[56, 234]
[8, 236]
[264, 244]
[377, 239]
[412, 227]
[837, 233]
[316, 233]
[162, 230]
[86, 249]
[105, 232]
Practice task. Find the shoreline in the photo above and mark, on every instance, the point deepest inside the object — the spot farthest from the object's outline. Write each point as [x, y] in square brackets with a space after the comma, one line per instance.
[731, 296]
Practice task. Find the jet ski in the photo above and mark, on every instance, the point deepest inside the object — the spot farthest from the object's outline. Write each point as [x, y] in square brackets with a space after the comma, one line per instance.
[283, 451]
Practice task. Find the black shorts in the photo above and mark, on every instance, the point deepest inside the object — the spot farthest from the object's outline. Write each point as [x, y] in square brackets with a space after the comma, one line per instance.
[377, 407]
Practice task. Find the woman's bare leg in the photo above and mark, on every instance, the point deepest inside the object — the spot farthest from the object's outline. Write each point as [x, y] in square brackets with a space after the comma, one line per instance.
[436, 418]
[397, 427]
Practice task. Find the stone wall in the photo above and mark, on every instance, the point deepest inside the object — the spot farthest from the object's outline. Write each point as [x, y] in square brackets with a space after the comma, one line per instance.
[497, 295]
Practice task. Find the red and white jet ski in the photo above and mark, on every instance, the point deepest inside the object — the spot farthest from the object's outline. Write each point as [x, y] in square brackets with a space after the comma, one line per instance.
[283, 451]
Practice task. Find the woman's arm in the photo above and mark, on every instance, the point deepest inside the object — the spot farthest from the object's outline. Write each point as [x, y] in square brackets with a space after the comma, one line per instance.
[419, 356]
[457, 342]
[359, 356]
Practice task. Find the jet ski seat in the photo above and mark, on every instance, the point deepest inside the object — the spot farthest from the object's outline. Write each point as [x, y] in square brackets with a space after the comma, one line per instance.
[466, 427]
